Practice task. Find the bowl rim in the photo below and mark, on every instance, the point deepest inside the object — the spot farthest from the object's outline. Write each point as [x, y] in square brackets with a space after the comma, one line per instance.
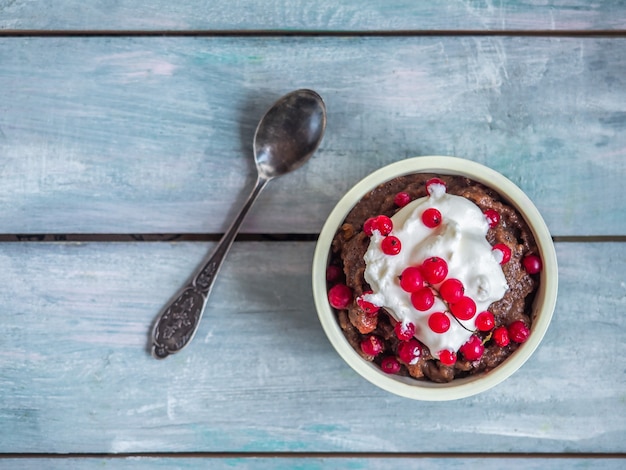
[543, 308]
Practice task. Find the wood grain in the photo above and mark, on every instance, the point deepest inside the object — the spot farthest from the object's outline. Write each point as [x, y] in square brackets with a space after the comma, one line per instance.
[299, 463]
[137, 116]
[260, 376]
[323, 15]
[153, 135]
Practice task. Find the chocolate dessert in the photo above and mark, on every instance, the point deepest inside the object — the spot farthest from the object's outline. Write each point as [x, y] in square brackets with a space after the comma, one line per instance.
[376, 329]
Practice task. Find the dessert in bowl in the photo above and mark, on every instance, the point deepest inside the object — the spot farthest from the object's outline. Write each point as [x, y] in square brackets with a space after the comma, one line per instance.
[435, 278]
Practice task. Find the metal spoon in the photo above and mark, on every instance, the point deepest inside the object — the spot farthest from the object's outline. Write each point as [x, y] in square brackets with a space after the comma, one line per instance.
[287, 135]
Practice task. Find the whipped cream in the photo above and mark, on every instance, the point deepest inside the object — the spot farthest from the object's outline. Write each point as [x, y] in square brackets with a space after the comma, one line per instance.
[460, 240]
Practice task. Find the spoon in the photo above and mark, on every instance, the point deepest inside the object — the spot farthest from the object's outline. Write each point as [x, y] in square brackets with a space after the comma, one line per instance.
[285, 138]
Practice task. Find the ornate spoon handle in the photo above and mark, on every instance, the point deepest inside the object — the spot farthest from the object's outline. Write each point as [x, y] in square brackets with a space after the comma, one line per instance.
[177, 323]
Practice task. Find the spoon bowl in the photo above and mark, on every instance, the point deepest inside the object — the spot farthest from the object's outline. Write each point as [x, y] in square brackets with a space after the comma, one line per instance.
[283, 141]
[286, 137]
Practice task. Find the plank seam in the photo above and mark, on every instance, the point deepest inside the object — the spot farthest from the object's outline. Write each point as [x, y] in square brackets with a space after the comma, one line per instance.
[618, 33]
[242, 237]
[314, 455]
[156, 237]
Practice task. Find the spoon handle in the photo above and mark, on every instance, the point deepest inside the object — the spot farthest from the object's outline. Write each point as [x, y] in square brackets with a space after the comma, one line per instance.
[177, 323]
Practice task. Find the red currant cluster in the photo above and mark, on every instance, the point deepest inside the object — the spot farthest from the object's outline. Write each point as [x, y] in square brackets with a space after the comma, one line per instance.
[421, 281]
[390, 245]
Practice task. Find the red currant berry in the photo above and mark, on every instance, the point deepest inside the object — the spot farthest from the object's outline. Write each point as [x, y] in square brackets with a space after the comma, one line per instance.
[340, 296]
[368, 307]
[411, 279]
[501, 336]
[505, 250]
[333, 273]
[451, 290]
[391, 245]
[447, 357]
[404, 330]
[493, 217]
[402, 199]
[383, 224]
[473, 349]
[372, 345]
[368, 226]
[485, 321]
[434, 270]
[409, 351]
[532, 264]
[518, 331]
[432, 182]
[439, 322]
[423, 299]
[464, 308]
[431, 217]
[390, 365]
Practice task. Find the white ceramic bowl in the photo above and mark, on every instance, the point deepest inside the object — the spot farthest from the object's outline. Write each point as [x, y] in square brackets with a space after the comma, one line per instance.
[543, 306]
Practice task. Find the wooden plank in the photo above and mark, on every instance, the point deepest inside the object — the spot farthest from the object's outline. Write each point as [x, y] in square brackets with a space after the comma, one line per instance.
[324, 15]
[261, 376]
[153, 135]
[345, 463]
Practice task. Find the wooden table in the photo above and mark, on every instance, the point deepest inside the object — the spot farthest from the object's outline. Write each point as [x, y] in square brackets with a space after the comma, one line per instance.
[125, 150]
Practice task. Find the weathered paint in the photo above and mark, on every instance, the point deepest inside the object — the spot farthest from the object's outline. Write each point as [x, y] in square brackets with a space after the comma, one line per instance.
[261, 376]
[321, 15]
[154, 135]
[127, 134]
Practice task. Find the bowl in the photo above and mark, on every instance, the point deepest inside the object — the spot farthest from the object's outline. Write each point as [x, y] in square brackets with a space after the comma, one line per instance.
[543, 305]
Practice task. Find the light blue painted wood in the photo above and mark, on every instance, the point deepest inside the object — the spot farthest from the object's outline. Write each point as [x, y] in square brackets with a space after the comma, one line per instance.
[153, 135]
[260, 376]
[323, 15]
[105, 135]
[174, 463]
